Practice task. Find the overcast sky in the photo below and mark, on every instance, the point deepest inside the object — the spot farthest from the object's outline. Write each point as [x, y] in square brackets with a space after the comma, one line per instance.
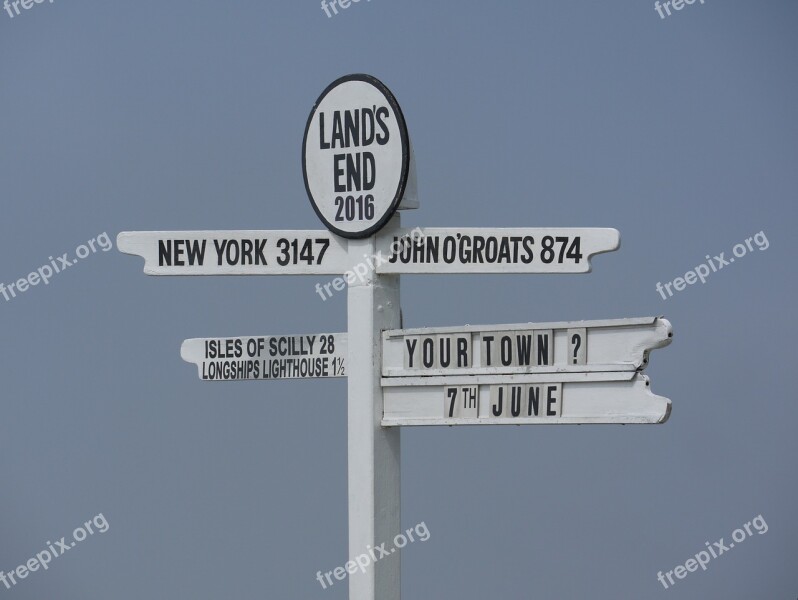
[678, 131]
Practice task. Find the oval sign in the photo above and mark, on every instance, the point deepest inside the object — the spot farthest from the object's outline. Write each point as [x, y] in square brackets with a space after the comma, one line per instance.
[355, 156]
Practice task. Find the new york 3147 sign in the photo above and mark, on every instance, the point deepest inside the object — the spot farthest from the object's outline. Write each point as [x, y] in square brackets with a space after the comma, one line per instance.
[356, 157]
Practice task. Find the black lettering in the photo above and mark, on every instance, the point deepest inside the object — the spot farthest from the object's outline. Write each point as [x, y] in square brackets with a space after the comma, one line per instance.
[515, 401]
[551, 399]
[246, 252]
[405, 253]
[515, 241]
[465, 249]
[418, 251]
[338, 171]
[196, 252]
[260, 257]
[232, 256]
[411, 348]
[165, 253]
[367, 126]
[322, 144]
[533, 400]
[369, 171]
[497, 407]
[528, 242]
[543, 349]
[382, 139]
[487, 339]
[449, 249]
[432, 245]
[352, 127]
[524, 343]
[337, 134]
[179, 262]
[428, 352]
[506, 350]
[504, 251]
[479, 244]
[445, 351]
[353, 172]
[462, 352]
[219, 250]
[491, 249]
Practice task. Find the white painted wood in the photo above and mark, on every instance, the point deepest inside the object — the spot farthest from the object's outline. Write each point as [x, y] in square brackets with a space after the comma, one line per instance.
[374, 451]
[493, 378]
[607, 345]
[625, 322]
[356, 156]
[594, 401]
[268, 357]
[461, 401]
[519, 400]
[449, 381]
[271, 252]
[410, 199]
[577, 346]
[491, 250]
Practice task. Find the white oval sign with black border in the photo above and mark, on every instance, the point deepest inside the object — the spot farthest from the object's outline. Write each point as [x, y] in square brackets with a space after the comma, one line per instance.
[355, 156]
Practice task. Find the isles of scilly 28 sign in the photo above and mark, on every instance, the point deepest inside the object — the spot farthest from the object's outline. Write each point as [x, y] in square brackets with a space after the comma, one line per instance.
[356, 156]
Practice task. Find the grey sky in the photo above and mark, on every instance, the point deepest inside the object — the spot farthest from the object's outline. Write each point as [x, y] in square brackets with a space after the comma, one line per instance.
[679, 132]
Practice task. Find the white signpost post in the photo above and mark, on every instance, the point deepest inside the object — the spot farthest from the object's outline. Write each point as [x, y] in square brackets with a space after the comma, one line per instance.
[358, 168]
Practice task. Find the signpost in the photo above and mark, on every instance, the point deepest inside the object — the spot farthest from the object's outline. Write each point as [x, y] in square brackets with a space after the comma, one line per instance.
[358, 169]
[550, 399]
[356, 157]
[237, 252]
[268, 357]
[493, 250]
[563, 347]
